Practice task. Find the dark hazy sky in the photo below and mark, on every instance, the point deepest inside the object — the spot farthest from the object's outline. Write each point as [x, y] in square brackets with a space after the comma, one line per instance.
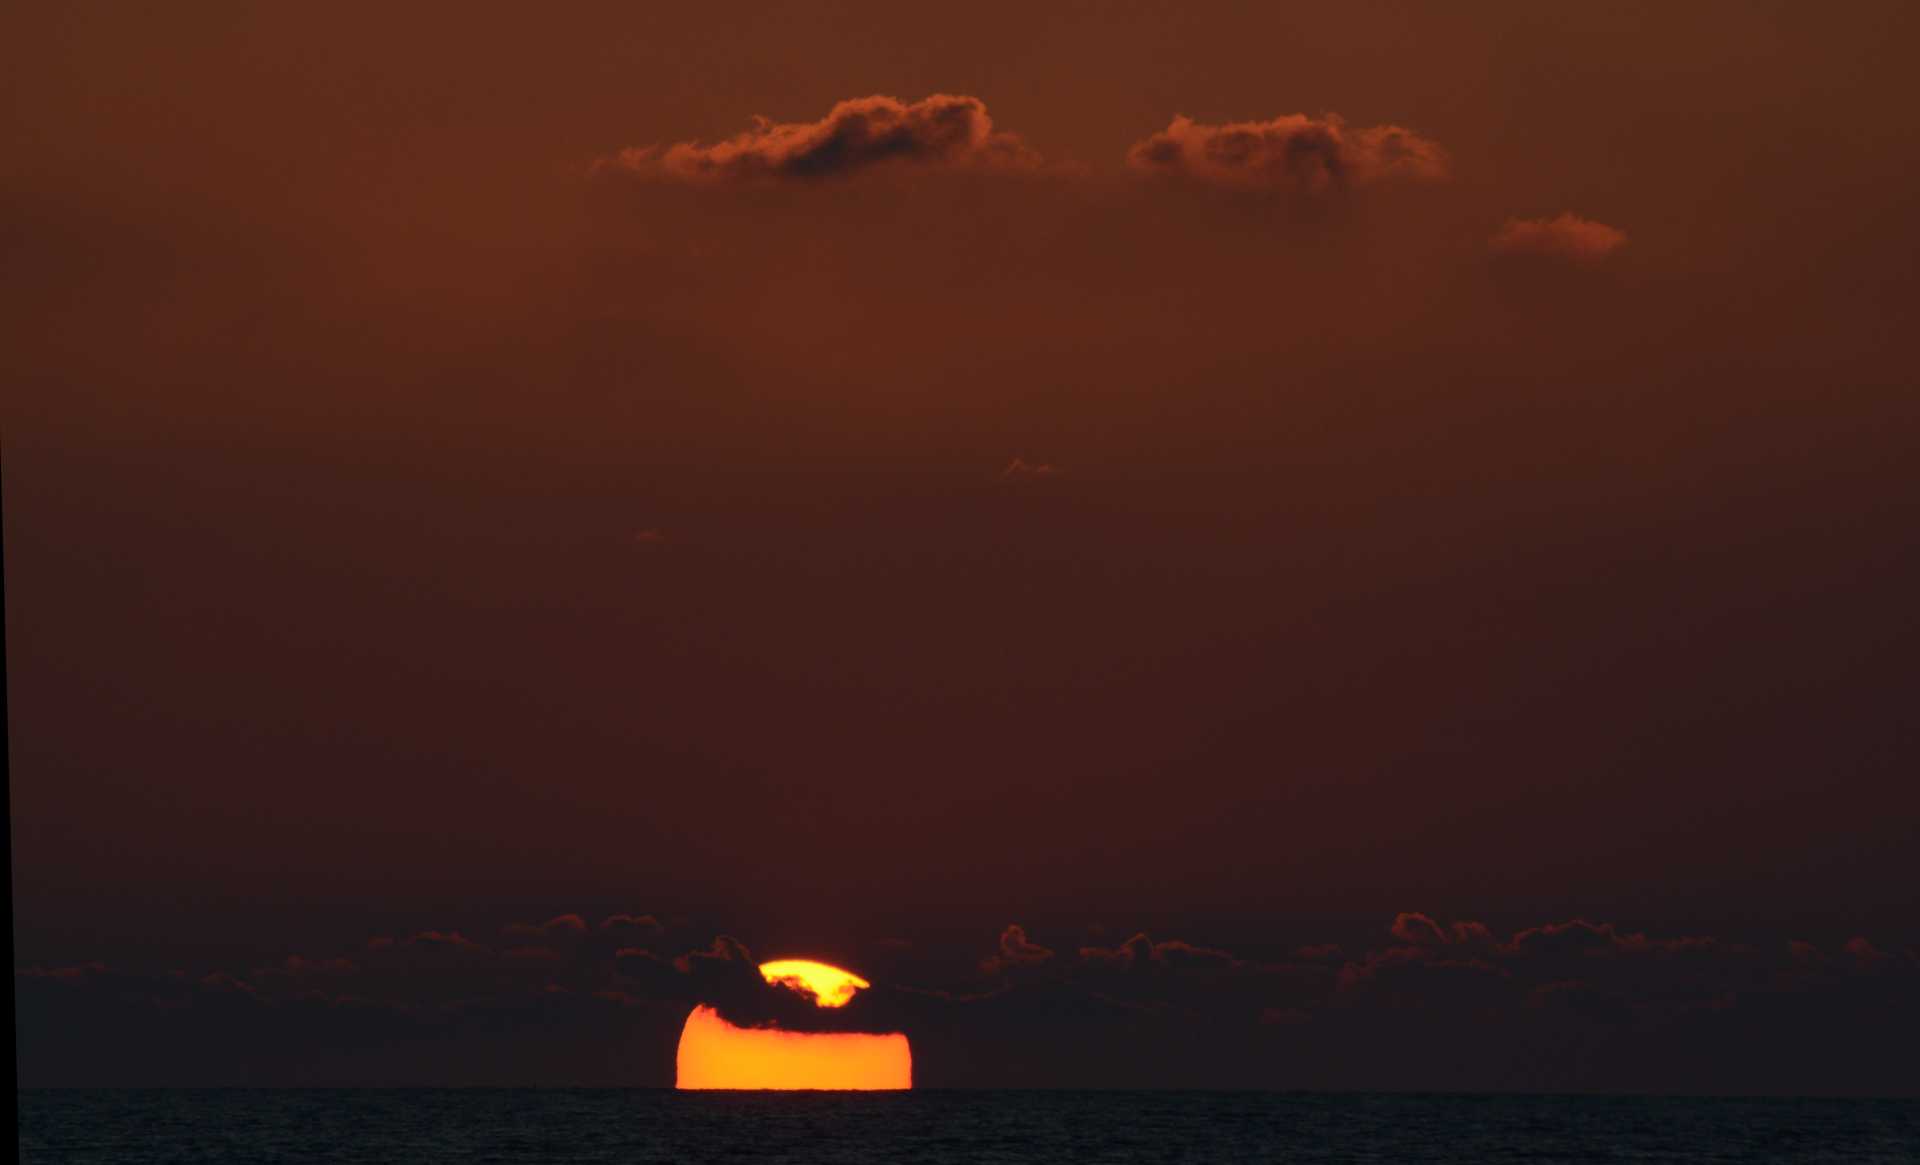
[1239, 473]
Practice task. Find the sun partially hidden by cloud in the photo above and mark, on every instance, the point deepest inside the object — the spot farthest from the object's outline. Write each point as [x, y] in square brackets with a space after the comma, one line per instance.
[829, 986]
[1566, 238]
[942, 131]
[1292, 153]
[716, 1054]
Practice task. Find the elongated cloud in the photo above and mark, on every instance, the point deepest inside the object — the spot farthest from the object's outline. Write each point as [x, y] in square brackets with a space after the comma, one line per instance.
[1294, 153]
[1485, 1007]
[560, 926]
[1567, 238]
[1016, 950]
[944, 131]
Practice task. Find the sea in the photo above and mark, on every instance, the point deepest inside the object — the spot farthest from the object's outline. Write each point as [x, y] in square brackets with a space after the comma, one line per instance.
[415, 1127]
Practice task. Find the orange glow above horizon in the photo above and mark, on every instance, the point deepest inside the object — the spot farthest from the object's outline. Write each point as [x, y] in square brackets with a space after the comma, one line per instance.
[716, 1054]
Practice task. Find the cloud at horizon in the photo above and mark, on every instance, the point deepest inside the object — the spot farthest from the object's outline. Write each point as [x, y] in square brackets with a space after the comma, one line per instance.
[442, 988]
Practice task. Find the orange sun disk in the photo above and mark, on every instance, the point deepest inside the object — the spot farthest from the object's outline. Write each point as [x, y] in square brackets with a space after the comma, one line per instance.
[716, 1054]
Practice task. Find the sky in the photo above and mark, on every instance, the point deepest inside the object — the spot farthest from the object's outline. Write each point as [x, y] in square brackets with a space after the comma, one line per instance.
[1361, 546]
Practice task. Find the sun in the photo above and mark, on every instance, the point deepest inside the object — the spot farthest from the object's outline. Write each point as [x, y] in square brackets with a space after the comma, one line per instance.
[829, 986]
[716, 1054]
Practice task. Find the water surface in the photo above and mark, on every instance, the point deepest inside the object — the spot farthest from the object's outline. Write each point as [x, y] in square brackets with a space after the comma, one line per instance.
[416, 1127]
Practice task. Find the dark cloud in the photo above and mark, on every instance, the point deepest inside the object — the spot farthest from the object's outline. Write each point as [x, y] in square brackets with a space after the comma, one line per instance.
[1567, 238]
[1445, 996]
[1417, 929]
[944, 131]
[221, 983]
[448, 940]
[1574, 937]
[1140, 953]
[726, 976]
[1472, 933]
[1580, 999]
[650, 975]
[1135, 953]
[1415, 973]
[1016, 950]
[297, 974]
[1865, 953]
[1179, 981]
[1020, 469]
[560, 926]
[79, 971]
[632, 929]
[1292, 154]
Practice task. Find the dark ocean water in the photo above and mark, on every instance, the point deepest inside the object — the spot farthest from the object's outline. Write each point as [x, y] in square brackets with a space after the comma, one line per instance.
[405, 1127]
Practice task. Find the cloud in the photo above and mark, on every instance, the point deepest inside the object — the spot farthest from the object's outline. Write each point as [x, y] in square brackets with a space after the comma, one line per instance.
[1175, 978]
[1442, 993]
[632, 929]
[1020, 469]
[451, 940]
[1417, 929]
[1284, 1016]
[297, 967]
[1289, 154]
[1422, 931]
[721, 973]
[1412, 974]
[945, 131]
[221, 983]
[1578, 998]
[1865, 953]
[561, 926]
[1472, 933]
[1136, 952]
[1016, 950]
[1141, 953]
[1574, 937]
[1567, 238]
[65, 974]
[726, 977]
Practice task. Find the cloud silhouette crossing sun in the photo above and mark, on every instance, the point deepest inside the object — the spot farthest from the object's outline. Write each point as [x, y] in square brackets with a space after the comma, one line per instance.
[715, 1054]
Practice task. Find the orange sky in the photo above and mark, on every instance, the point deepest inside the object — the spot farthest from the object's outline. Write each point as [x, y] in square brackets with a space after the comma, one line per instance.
[1479, 448]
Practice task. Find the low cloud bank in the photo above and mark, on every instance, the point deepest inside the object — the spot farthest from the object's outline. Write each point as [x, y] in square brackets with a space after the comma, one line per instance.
[1568, 1004]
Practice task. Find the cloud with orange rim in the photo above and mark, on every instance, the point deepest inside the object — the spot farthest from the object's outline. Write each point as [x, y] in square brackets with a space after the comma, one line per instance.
[716, 1054]
[1293, 153]
[942, 132]
[1566, 238]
